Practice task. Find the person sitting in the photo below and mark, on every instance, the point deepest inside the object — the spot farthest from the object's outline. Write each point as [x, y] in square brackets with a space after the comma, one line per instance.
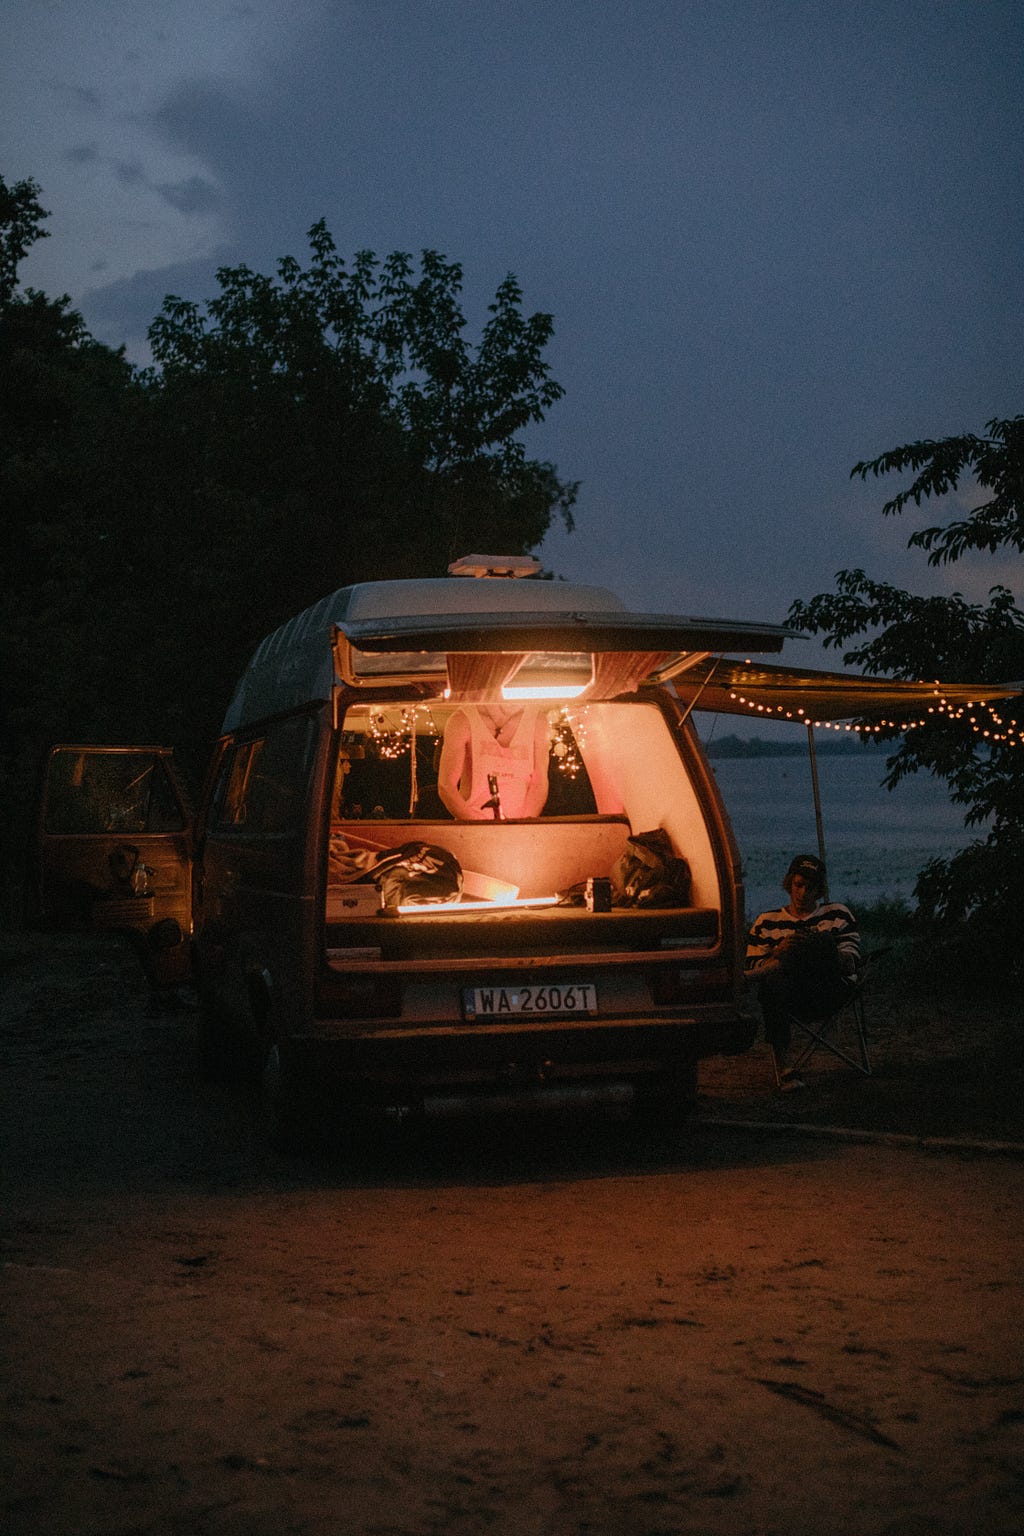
[494, 762]
[804, 958]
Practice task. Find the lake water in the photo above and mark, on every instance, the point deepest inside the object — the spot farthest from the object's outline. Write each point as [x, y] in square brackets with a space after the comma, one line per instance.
[876, 840]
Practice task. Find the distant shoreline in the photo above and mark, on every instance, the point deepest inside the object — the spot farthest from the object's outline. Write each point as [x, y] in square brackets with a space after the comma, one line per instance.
[847, 745]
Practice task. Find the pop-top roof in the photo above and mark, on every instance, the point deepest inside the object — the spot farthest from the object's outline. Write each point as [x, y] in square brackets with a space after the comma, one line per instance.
[392, 633]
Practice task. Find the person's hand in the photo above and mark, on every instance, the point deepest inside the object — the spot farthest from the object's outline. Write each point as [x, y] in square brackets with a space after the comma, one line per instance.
[764, 967]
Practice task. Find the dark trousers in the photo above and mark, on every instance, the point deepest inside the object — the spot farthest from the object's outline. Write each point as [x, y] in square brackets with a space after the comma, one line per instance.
[808, 985]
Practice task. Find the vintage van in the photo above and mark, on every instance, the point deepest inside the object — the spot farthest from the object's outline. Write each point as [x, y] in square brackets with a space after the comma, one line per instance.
[407, 885]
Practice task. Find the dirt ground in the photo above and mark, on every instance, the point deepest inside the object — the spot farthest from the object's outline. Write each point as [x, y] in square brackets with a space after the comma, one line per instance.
[526, 1329]
[943, 1066]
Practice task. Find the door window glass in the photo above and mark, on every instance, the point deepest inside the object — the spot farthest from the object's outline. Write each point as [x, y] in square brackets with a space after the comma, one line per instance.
[107, 791]
[261, 786]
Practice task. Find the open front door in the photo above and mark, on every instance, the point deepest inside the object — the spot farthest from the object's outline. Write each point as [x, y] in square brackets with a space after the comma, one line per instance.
[114, 851]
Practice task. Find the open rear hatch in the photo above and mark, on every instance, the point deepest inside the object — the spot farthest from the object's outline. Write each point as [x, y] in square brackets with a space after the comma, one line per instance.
[543, 926]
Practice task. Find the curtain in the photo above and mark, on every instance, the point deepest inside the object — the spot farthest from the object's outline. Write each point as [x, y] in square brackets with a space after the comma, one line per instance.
[618, 672]
[477, 677]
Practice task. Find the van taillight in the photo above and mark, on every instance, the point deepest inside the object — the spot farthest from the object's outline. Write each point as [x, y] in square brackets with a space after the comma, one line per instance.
[358, 995]
[671, 984]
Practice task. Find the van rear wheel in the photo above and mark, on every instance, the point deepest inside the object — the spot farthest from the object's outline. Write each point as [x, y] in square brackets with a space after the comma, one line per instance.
[285, 1126]
[668, 1104]
[218, 1043]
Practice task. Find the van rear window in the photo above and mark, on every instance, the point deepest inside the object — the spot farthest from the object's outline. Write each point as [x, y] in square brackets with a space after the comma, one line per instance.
[569, 783]
[391, 762]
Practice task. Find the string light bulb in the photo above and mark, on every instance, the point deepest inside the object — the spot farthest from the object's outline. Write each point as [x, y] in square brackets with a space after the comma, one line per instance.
[998, 729]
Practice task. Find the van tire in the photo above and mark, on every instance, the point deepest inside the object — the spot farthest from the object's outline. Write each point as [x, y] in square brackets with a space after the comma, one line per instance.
[284, 1125]
[219, 1056]
[669, 1105]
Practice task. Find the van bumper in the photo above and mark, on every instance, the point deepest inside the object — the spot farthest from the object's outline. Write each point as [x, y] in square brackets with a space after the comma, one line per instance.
[378, 1063]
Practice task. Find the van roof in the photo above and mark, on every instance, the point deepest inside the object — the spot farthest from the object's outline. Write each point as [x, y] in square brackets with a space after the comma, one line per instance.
[391, 633]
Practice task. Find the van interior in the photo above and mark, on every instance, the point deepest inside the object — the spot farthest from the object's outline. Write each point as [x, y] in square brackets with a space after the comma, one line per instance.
[612, 770]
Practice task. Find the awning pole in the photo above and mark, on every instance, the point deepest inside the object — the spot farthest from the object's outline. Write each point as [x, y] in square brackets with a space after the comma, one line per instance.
[688, 711]
[816, 791]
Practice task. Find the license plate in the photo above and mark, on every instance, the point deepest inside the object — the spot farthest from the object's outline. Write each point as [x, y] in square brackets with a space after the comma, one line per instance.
[530, 1001]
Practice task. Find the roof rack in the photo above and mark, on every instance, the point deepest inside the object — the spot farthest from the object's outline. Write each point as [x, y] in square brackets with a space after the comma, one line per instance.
[495, 565]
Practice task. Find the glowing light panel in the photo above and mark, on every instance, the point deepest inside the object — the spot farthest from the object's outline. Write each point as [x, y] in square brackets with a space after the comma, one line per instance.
[551, 691]
[440, 909]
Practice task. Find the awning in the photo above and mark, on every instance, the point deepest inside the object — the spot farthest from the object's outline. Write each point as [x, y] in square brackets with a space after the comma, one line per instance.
[723, 685]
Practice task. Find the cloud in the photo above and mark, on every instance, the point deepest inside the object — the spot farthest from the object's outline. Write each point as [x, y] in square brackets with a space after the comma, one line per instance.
[192, 195]
[129, 172]
[81, 96]
[133, 191]
[206, 120]
[121, 312]
[196, 195]
[82, 154]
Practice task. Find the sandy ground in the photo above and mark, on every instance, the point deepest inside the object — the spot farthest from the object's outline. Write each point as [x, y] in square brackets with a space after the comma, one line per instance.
[553, 1329]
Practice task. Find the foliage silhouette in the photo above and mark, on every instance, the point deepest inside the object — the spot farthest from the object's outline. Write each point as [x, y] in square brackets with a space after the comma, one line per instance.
[970, 903]
[330, 424]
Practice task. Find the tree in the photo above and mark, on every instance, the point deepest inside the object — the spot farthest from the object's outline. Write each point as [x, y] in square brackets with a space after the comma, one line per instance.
[328, 425]
[21, 225]
[353, 375]
[971, 901]
[63, 411]
[300, 432]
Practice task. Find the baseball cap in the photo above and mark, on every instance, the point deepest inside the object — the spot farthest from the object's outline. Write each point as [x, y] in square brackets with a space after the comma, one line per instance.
[807, 865]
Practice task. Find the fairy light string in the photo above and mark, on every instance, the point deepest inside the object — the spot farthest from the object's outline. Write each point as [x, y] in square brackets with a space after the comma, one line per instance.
[393, 737]
[982, 719]
[566, 735]
[392, 740]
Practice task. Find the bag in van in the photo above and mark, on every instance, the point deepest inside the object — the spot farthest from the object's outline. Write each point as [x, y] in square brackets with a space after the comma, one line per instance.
[346, 865]
[418, 874]
[650, 873]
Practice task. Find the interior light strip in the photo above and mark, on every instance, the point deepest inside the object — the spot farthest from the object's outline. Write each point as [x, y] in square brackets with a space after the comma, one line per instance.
[445, 908]
[550, 691]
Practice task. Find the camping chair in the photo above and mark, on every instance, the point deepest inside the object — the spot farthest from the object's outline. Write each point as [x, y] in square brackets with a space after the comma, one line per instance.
[842, 1033]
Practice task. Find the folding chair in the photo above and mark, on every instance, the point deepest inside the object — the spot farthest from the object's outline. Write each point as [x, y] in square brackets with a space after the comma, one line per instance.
[827, 1032]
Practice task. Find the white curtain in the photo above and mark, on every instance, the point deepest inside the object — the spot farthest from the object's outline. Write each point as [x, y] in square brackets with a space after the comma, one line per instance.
[477, 677]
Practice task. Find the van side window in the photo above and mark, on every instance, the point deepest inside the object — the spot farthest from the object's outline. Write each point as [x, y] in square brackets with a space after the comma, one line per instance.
[228, 799]
[261, 786]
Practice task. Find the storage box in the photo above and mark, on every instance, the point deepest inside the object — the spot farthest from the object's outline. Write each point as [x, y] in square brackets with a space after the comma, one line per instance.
[344, 901]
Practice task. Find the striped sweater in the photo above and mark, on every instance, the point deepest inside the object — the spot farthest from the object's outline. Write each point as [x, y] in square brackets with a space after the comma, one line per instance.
[832, 918]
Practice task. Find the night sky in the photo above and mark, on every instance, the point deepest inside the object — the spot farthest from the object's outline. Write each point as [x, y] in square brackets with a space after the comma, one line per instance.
[776, 237]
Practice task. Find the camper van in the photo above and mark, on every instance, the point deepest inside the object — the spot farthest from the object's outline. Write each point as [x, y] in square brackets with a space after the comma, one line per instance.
[458, 851]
